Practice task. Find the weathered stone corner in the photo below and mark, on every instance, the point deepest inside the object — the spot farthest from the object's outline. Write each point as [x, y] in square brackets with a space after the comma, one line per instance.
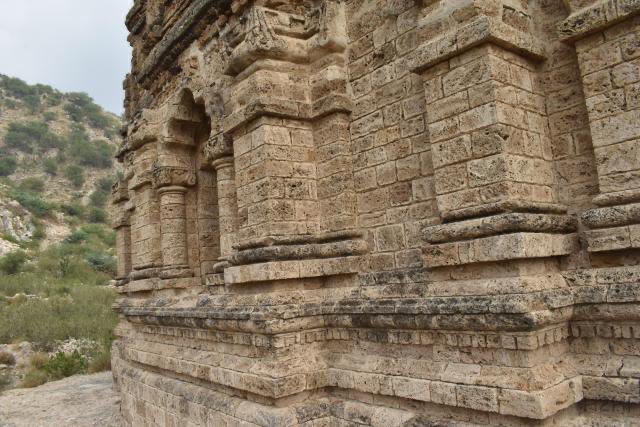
[380, 213]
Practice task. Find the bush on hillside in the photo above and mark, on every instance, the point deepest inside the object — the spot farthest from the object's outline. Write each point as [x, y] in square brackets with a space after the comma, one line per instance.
[98, 198]
[33, 103]
[33, 184]
[32, 202]
[16, 87]
[73, 209]
[49, 116]
[77, 236]
[75, 175]
[13, 262]
[97, 153]
[29, 136]
[97, 215]
[82, 108]
[101, 262]
[8, 165]
[104, 184]
[62, 365]
[50, 166]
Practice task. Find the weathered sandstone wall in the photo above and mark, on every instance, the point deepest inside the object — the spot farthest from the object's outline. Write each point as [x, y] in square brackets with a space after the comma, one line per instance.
[380, 213]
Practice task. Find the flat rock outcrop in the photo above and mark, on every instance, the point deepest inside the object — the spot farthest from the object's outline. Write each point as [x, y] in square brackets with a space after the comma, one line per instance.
[80, 401]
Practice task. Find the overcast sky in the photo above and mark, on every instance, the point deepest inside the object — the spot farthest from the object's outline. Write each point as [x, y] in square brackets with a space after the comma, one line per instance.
[72, 45]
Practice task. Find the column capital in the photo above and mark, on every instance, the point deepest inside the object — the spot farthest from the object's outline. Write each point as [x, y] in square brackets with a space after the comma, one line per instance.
[218, 147]
[167, 176]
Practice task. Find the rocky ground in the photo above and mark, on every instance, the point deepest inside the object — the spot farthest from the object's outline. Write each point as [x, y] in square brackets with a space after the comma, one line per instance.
[80, 401]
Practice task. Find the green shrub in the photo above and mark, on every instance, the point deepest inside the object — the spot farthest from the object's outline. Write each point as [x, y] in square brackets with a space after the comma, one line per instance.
[49, 116]
[50, 166]
[16, 87]
[13, 262]
[105, 234]
[104, 185]
[97, 153]
[98, 198]
[77, 236]
[97, 215]
[33, 184]
[32, 102]
[75, 175]
[8, 165]
[73, 209]
[62, 365]
[101, 262]
[82, 108]
[38, 232]
[31, 135]
[32, 202]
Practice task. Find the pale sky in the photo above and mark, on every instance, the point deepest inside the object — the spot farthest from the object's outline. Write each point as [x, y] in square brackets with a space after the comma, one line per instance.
[72, 45]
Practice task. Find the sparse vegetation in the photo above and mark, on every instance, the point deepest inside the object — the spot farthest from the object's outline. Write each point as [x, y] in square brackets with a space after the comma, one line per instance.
[13, 262]
[75, 175]
[58, 293]
[50, 166]
[8, 165]
[33, 202]
[32, 184]
[31, 136]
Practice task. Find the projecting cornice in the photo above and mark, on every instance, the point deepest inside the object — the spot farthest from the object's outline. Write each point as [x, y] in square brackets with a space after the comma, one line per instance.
[186, 29]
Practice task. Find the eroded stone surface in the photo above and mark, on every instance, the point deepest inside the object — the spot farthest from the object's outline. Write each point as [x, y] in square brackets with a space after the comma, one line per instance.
[380, 212]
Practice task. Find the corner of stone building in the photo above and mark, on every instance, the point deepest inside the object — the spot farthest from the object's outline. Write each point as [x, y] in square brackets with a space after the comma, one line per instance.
[380, 213]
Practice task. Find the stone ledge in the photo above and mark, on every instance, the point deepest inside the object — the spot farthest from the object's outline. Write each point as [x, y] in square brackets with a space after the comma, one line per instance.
[283, 270]
[612, 216]
[500, 248]
[154, 284]
[499, 224]
[597, 17]
[308, 251]
[613, 239]
[612, 389]
[483, 29]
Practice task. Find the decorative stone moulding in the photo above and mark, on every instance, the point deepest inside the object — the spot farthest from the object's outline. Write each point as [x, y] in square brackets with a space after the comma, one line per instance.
[380, 213]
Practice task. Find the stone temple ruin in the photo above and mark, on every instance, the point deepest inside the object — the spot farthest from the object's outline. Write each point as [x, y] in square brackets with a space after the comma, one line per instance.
[380, 213]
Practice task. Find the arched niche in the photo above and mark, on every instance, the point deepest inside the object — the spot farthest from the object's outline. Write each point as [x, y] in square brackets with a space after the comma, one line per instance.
[187, 190]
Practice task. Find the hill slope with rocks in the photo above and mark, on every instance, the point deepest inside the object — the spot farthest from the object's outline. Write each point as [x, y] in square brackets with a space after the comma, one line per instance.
[56, 248]
[55, 162]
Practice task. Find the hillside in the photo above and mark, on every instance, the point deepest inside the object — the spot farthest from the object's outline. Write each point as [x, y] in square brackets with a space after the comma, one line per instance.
[55, 162]
[56, 246]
